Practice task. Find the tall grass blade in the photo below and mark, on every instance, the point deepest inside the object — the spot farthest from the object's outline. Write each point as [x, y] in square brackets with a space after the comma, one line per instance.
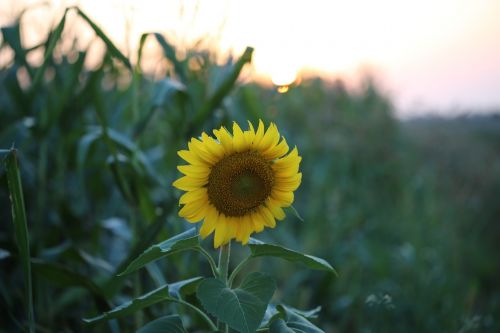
[20, 230]
[112, 49]
[224, 88]
[169, 52]
[54, 38]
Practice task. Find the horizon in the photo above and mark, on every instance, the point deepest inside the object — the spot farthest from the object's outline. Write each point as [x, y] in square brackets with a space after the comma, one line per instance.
[447, 66]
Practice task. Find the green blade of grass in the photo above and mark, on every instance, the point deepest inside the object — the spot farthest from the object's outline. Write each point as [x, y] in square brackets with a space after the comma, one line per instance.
[169, 52]
[112, 49]
[224, 88]
[20, 229]
[54, 38]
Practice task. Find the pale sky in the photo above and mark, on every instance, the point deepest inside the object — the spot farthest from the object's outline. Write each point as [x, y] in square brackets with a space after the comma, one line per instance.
[438, 55]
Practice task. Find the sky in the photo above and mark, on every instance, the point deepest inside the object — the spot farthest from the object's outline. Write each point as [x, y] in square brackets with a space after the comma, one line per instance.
[439, 56]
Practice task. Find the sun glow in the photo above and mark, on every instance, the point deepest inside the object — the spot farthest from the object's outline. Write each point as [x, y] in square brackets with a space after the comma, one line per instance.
[443, 50]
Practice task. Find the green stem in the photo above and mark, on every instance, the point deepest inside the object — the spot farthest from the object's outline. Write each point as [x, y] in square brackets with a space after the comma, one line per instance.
[210, 260]
[201, 313]
[224, 253]
[237, 270]
[223, 269]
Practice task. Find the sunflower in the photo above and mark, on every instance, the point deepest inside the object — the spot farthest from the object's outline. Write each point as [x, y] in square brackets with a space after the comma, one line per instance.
[237, 183]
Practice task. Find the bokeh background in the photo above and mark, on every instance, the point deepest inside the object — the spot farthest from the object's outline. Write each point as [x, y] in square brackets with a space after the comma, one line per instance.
[394, 106]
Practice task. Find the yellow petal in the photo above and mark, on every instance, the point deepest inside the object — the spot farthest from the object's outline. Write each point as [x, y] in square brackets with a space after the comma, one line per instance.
[284, 199]
[194, 212]
[212, 146]
[257, 221]
[200, 193]
[246, 229]
[267, 217]
[250, 127]
[231, 229]
[275, 209]
[220, 231]
[188, 184]
[190, 157]
[270, 139]
[197, 171]
[238, 138]
[225, 139]
[210, 222]
[288, 184]
[259, 134]
[290, 160]
[238, 228]
[276, 151]
[198, 148]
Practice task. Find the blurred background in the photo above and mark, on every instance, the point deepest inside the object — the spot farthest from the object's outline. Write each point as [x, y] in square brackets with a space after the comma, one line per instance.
[394, 106]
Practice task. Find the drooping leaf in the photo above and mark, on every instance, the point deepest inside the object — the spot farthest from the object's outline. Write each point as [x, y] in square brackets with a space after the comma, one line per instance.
[290, 322]
[169, 52]
[170, 324]
[166, 293]
[54, 38]
[112, 49]
[20, 230]
[224, 88]
[181, 242]
[153, 297]
[185, 287]
[242, 308]
[260, 249]
[272, 312]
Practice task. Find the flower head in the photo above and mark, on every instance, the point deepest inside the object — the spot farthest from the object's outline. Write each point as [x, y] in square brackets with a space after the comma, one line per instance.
[237, 183]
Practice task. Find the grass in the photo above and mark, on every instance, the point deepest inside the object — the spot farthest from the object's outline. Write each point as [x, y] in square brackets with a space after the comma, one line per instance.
[406, 211]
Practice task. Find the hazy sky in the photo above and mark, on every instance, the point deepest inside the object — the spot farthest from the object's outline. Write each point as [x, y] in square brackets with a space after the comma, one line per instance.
[428, 54]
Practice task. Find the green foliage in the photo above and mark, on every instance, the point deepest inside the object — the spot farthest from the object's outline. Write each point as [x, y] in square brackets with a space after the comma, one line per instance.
[158, 295]
[185, 241]
[20, 230]
[242, 308]
[290, 322]
[259, 249]
[172, 324]
[407, 210]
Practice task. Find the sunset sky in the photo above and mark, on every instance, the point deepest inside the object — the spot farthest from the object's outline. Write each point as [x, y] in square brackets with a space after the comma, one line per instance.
[441, 55]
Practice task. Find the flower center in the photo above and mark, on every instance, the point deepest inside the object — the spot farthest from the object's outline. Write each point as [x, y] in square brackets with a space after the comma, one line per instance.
[239, 183]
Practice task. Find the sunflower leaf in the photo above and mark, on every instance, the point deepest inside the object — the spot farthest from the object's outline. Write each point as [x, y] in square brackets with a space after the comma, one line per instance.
[289, 321]
[181, 242]
[185, 287]
[171, 324]
[261, 249]
[153, 297]
[242, 308]
[273, 312]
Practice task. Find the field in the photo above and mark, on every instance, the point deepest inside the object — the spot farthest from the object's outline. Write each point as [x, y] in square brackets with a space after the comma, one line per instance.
[406, 211]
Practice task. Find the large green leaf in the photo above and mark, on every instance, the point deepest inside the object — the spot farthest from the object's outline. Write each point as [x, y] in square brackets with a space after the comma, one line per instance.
[181, 242]
[242, 308]
[260, 249]
[289, 321]
[166, 293]
[170, 324]
[153, 297]
[20, 230]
